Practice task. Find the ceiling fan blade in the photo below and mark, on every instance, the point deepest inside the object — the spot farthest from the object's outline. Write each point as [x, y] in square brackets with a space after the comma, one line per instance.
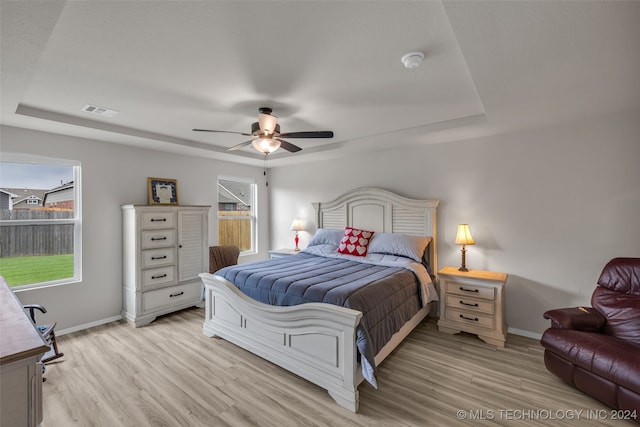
[288, 146]
[239, 146]
[267, 123]
[309, 134]
[222, 131]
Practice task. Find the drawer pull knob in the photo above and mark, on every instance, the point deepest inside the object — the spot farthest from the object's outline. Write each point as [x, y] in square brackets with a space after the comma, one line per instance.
[469, 290]
[159, 276]
[468, 304]
[159, 220]
[159, 257]
[475, 319]
[176, 295]
[153, 239]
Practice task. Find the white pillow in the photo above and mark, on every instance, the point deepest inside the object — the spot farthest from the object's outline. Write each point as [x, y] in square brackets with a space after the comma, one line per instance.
[326, 236]
[398, 244]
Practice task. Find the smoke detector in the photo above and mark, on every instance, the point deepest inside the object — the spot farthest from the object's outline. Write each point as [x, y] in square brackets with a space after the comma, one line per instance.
[412, 59]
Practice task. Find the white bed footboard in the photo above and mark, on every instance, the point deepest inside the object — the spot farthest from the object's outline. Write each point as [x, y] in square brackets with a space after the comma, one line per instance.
[315, 341]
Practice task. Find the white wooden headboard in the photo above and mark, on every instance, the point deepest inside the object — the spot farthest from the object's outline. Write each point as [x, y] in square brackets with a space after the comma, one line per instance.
[382, 211]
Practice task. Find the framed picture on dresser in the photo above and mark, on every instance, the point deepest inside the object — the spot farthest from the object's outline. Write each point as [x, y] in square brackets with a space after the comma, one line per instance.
[162, 191]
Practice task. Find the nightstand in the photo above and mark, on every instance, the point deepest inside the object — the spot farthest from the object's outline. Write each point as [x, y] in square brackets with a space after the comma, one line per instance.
[279, 253]
[473, 301]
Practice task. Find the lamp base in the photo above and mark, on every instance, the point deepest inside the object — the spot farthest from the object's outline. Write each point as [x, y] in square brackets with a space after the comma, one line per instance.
[463, 267]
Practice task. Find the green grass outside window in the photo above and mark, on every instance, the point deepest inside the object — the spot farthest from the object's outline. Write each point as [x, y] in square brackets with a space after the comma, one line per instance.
[27, 270]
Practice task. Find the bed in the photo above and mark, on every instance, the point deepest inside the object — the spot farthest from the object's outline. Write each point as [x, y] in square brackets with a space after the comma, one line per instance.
[318, 341]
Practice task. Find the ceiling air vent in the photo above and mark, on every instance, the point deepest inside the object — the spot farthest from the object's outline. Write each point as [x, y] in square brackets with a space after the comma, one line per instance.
[101, 111]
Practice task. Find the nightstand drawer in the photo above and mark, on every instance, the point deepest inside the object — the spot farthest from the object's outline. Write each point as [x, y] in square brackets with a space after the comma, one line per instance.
[468, 290]
[173, 295]
[158, 276]
[160, 219]
[157, 257]
[157, 239]
[475, 319]
[472, 304]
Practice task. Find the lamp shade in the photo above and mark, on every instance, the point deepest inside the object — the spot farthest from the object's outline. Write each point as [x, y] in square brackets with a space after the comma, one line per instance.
[297, 225]
[464, 235]
[266, 145]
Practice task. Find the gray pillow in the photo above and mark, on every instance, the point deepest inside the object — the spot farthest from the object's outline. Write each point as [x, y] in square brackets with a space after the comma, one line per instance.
[398, 244]
[326, 236]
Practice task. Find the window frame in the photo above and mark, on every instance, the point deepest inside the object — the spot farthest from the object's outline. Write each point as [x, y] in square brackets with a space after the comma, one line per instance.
[254, 209]
[76, 221]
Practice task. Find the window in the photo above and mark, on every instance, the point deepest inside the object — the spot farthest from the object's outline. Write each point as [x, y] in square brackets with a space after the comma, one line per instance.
[40, 221]
[237, 213]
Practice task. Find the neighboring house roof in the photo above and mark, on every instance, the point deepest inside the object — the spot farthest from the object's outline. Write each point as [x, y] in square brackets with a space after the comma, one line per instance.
[21, 195]
[61, 187]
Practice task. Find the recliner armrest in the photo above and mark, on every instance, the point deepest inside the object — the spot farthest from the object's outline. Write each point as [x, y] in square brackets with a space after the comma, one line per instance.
[577, 318]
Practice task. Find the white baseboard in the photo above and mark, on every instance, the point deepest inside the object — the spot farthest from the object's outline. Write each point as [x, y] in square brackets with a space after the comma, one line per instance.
[88, 325]
[524, 333]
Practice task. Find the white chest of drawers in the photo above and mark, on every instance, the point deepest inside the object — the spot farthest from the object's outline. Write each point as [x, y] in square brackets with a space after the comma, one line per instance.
[473, 301]
[164, 250]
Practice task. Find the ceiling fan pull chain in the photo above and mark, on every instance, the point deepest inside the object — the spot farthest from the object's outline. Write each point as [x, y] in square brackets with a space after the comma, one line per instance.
[266, 180]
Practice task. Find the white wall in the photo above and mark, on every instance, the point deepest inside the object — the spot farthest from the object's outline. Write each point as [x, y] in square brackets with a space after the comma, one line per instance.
[548, 207]
[113, 175]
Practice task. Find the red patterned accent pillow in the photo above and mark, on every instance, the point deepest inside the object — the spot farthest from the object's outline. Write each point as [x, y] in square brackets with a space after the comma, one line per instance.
[355, 242]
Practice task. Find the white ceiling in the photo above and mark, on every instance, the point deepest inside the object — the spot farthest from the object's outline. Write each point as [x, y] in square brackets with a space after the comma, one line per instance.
[168, 67]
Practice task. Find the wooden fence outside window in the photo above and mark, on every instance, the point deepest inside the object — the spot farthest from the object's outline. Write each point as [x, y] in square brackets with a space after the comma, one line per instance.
[234, 228]
[35, 239]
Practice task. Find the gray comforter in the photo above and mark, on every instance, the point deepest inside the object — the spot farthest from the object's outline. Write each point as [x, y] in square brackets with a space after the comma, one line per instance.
[387, 291]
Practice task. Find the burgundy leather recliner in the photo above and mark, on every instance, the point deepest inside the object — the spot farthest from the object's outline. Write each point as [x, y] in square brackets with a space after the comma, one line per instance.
[597, 349]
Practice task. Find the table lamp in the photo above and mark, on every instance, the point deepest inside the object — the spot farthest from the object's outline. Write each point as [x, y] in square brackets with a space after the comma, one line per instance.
[464, 238]
[297, 225]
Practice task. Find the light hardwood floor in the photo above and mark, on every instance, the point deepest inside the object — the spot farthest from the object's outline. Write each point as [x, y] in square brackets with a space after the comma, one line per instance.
[169, 374]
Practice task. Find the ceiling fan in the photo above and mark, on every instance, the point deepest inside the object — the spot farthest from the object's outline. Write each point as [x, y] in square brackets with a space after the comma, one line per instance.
[267, 137]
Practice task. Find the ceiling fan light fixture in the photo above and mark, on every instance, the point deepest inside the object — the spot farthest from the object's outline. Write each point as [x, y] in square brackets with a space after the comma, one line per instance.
[267, 123]
[266, 145]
